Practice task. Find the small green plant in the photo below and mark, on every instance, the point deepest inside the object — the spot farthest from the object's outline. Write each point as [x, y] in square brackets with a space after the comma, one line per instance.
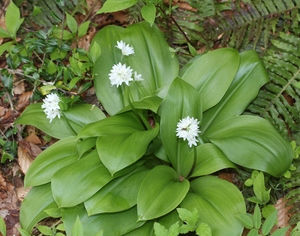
[257, 180]
[47, 59]
[189, 222]
[258, 224]
[8, 145]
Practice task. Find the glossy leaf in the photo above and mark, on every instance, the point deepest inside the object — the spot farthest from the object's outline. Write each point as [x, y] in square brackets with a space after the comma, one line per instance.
[79, 181]
[151, 103]
[206, 75]
[151, 51]
[77, 116]
[12, 19]
[149, 13]
[124, 123]
[146, 229]
[209, 160]
[116, 5]
[216, 201]
[181, 101]
[57, 156]
[34, 205]
[160, 193]
[71, 23]
[111, 223]
[113, 149]
[252, 142]
[251, 75]
[118, 195]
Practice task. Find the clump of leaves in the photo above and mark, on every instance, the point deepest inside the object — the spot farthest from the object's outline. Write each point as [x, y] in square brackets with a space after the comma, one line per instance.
[260, 224]
[47, 60]
[189, 222]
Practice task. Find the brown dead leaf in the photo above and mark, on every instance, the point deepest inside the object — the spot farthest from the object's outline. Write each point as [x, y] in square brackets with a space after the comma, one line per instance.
[26, 154]
[94, 6]
[283, 215]
[23, 101]
[33, 138]
[22, 192]
[2, 111]
[19, 87]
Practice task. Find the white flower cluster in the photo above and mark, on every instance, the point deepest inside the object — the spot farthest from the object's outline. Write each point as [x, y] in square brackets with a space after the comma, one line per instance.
[121, 73]
[125, 48]
[188, 129]
[51, 107]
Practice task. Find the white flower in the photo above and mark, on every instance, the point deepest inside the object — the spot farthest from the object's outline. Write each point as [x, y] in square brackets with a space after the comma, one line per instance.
[125, 48]
[137, 77]
[120, 74]
[188, 129]
[51, 107]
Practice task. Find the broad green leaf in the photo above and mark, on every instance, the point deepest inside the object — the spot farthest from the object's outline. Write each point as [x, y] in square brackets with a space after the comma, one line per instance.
[53, 212]
[45, 230]
[116, 5]
[145, 229]
[12, 19]
[34, 205]
[2, 226]
[212, 79]
[260, 189]
[71, 23]
[160, 193]
[4, 34]
[85, 145]
[23, 232]
[257, 217]
[253, 232]
[209, 160]
[58, 155]
[51, 67]
[269, 222]
[256, 141]
[216, 201]
[83, 28]
[95, 51]
[246, 220]
[282, 231]
[151, 103]
[125, 123]
[77, 229]
[5, 46]
[149, 13]
[77, 116]
[203, 230]
[181, 101]
[251, 75]
[113, 149]
[111, 223]
[75, 183]
[118, 195]
[151, 50]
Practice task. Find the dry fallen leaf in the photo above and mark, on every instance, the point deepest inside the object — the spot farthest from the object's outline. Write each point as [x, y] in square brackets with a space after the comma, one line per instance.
[19, 87]
[24, 100]
[26, 154]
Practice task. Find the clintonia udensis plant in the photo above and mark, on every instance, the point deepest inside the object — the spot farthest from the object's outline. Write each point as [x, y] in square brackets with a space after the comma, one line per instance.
[167, 132]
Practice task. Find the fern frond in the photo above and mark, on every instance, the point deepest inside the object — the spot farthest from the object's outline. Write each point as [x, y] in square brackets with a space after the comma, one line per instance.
[279, 101]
